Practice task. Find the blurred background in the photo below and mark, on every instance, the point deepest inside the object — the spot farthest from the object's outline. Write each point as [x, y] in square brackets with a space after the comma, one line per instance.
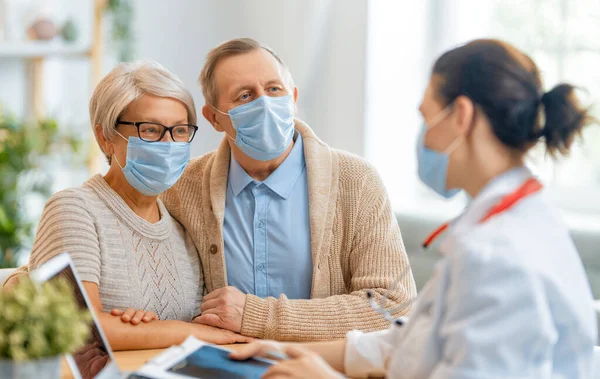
[361, 68]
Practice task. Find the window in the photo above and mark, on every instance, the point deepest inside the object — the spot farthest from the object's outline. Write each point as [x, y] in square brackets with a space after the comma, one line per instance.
[560, 35]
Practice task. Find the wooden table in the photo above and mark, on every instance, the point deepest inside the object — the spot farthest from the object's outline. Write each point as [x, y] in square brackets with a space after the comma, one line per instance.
[130, 360]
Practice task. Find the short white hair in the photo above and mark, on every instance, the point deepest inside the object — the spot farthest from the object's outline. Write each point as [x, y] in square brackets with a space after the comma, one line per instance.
[128, 82]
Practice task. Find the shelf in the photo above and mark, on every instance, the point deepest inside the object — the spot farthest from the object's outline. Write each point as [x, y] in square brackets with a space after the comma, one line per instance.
[41, 49]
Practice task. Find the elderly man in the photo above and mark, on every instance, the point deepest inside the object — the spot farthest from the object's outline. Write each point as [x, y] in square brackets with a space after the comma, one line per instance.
[292, 234]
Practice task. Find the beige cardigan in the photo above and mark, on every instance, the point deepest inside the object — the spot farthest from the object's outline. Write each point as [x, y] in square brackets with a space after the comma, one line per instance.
[355, 238]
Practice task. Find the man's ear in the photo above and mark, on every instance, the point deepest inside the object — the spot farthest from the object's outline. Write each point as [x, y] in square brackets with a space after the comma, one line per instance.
[211, 116]
[464, 113]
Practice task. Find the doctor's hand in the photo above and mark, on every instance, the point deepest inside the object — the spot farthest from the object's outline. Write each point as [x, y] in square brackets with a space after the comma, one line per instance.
[302, 363]
[223, 308]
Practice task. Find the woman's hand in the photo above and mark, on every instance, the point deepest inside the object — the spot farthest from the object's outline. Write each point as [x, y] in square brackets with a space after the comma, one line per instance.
[218, 336]
[302, 363]
[134, 316]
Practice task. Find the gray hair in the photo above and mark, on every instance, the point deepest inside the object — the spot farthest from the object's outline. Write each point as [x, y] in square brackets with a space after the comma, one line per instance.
[128, 82]
[231, 48]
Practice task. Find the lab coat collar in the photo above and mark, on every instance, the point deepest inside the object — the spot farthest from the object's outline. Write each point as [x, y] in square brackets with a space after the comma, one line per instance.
[491, 194]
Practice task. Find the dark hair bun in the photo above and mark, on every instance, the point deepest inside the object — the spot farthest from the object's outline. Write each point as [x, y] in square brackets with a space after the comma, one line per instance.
[564, 118]
[506, 85]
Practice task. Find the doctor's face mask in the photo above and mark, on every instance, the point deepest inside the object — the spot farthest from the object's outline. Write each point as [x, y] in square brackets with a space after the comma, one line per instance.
[433, 165]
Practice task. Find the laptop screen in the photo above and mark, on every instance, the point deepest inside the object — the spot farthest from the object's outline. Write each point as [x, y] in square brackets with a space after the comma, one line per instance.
[94, 355]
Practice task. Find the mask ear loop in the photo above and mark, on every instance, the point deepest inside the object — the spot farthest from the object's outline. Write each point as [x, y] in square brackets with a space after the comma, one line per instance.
[114, 156]
[440, 117]
[453, 146]
[118, 163]
[226, 114]
[437, 120]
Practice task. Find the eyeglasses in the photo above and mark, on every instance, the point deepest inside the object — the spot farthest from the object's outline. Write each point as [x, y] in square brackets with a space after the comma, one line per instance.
[154, 131]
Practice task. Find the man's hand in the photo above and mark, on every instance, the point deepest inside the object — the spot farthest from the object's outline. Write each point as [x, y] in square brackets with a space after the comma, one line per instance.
[223, 308]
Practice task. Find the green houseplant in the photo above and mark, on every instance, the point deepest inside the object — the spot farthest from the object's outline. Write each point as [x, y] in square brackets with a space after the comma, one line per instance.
[37, 325]
[24, 149]
[121, 12]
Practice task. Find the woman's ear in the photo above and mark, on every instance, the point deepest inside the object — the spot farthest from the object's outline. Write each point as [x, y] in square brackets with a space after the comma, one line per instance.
[105, 145]
[464, 114]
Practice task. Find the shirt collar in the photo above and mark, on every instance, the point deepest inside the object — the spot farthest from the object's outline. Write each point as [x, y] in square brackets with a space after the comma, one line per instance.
[238, 177]
[281, 181]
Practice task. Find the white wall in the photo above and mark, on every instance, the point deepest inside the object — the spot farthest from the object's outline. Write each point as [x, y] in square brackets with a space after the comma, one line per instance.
[322, 41]
[66, 82]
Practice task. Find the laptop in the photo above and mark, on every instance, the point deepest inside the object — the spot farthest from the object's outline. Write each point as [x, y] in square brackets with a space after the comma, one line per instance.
[192, 359]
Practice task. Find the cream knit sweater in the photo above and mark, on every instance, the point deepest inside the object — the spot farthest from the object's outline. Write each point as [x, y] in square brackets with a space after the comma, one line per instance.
[135, 264]
[355, 238]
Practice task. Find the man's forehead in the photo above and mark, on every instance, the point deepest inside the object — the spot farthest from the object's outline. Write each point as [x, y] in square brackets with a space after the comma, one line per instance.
[257, 64]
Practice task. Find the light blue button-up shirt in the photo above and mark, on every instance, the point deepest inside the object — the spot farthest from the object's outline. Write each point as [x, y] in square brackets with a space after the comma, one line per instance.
[267, 230]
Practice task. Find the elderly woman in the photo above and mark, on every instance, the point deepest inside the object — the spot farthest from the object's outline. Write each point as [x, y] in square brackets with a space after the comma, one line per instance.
[129, 252]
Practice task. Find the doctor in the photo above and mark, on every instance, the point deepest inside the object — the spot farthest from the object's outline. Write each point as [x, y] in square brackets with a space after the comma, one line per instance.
[509, 298]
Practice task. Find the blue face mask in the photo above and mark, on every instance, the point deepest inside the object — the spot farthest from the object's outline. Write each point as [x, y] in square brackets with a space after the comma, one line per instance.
[154, 167]
[433, 165]
[264, 127]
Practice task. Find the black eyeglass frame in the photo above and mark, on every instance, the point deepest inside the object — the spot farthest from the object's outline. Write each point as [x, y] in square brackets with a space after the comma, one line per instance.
[165, 129]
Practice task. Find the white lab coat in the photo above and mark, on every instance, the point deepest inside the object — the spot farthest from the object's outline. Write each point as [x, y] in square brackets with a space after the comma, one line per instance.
[509, 299]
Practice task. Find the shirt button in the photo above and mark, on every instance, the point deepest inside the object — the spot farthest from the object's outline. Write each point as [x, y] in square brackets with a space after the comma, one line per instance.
[213, 249]
[261, 267]
[260, 224]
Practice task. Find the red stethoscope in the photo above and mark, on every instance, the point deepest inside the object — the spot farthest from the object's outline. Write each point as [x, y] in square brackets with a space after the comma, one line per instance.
[528, 188]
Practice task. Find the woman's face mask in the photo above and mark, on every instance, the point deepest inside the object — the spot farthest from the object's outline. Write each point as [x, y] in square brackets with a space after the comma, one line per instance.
[154, 167]
[433, 165]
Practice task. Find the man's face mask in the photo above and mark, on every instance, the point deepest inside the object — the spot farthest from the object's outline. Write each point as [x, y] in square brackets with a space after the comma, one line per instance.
[264, 127]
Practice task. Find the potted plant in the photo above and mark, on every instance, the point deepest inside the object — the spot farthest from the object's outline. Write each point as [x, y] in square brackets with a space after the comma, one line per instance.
[38, 324]
[25, 149]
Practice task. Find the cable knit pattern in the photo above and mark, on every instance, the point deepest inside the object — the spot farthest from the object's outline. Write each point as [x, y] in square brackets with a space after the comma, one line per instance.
[355, 241]
[136, 264]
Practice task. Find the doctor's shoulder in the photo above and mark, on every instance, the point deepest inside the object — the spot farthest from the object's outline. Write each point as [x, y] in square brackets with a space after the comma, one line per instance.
[500, 241]
[530, 237]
